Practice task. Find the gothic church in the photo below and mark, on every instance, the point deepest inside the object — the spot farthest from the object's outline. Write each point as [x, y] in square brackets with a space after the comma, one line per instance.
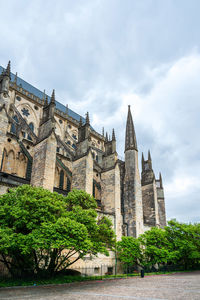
[44, 143]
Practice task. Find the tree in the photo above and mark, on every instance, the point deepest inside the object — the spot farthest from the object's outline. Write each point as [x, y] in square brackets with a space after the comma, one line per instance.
[185, 240]
[156, 247]
[129, 251]
[46, 232]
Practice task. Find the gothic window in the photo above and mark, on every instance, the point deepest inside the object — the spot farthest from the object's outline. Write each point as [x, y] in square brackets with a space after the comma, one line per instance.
[10, 163]
[3, 157]
[58, 149]
[18, 98]
[93, 191]
[13, 126]
[93, 155]
[69, 126]
[74, 146]
[31, 126]
[68, 188]
[61, 180]
[97, 158]
[25, 112]
[68, 142]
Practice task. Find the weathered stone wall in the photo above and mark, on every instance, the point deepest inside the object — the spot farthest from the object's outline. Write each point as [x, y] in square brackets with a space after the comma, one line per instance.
[110, 197]
[82, 173]
[150, 205]
[133, 210]
[161, 207]
[44, 161]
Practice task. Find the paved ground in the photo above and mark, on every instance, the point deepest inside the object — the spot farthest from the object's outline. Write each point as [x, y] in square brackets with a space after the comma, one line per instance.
[176, 286]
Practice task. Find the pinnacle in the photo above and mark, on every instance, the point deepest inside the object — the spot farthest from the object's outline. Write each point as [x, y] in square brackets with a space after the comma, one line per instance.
[113, 135]
[7, 71]
[53, 97]
[130, 140]
[87, 118]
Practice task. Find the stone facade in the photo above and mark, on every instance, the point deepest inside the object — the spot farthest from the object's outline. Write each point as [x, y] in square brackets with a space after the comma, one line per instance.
[46, 144]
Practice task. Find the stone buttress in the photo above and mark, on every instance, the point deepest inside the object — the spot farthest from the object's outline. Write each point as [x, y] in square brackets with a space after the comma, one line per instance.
[4, 109]
[110, 182]
[149, 193]
[161, 202]
[44, 158]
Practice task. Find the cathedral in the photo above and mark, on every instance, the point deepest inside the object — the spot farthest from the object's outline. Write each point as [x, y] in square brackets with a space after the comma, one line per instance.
[44, 143]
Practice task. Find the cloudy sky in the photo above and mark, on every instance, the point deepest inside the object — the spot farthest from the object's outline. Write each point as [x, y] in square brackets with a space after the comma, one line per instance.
[101, 55]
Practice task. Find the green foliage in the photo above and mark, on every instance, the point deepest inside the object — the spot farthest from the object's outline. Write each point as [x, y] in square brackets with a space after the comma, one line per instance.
[44, 232]
[156, 248]
[129, 251]
[185, 240]
[177, 244]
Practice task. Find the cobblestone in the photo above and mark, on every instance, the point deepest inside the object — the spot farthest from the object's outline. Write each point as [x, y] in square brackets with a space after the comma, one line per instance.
[157, 287]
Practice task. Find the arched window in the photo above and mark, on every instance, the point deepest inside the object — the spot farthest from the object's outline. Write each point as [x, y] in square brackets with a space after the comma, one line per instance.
[9, 165]
[68, 188]
[31, 126]
[13, 126]
[61, 180]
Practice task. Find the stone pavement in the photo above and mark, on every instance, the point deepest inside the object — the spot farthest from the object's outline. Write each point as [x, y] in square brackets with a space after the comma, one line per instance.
[175, 286]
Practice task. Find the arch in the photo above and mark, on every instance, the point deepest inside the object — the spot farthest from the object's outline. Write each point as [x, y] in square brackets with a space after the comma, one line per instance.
[56, 179]
[9, 165]
[21, 165]
[4, 154]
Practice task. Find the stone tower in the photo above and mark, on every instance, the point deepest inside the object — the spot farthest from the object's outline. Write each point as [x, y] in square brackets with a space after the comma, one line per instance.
[149, 193]
[133, 211]
[161, 202]
[43, 169]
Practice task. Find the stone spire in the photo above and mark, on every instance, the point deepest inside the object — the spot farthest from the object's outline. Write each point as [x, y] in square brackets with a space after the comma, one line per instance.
[46, 100]
[113, 135]
[149, 159]
[15, 79]
[160, 178]
[149, 155]
[53, 97]
[80, 122]
[103, 131]
[142, 161]
[130, 141]
[87, 118]
[7, 71]
[106, 139]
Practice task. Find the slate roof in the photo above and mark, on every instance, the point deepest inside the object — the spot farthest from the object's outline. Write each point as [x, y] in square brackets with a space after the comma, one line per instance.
[27, 86]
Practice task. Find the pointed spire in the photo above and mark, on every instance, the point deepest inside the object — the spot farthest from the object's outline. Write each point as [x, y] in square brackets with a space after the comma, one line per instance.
[80, 122]
[130, 141]
[149, 155]
[106, 140]
[53, 97]
[7, 71]
[46, 101]
[113, 135]
[160, 178]
[142, 160]
[15, 79]
[103, 131]
[87, 118]
[67, 109]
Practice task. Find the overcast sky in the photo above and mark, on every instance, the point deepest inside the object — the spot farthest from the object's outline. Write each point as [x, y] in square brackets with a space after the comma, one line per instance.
[101, 55]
